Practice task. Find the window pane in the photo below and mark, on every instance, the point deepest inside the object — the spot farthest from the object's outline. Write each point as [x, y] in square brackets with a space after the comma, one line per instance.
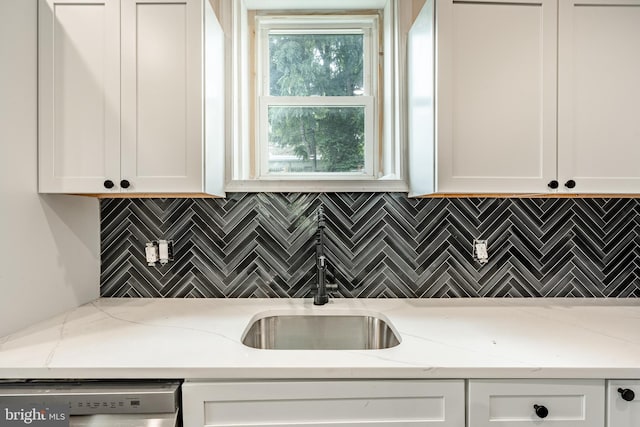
[316, 139]
[316, 64]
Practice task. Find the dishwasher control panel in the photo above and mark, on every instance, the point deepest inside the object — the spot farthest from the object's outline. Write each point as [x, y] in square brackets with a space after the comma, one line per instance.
[96, 397]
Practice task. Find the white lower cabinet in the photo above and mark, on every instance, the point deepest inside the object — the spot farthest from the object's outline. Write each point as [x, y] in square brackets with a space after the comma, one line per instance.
[559, 403]
[623, 403]
[324, 403]
[436, 403]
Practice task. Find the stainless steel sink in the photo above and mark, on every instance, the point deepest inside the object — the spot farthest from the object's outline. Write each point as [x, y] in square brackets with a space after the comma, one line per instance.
[320, 332]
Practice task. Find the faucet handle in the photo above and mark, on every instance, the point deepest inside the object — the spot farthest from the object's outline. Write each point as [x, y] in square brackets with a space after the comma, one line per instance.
[331, 287]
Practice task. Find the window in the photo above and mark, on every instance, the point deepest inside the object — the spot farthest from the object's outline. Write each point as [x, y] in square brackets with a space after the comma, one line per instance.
[313, 95]
[316, 96]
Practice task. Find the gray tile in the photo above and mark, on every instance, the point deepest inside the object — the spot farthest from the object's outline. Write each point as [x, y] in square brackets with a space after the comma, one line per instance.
[379, 245]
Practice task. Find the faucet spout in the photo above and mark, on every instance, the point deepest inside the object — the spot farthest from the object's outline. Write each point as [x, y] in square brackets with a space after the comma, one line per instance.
[321, 297]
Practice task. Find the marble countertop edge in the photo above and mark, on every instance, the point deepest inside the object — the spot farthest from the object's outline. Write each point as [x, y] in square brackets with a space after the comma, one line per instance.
[452, 338]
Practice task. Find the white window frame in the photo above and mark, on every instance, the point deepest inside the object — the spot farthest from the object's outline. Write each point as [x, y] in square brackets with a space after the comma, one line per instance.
[367, 26]
[240, 171]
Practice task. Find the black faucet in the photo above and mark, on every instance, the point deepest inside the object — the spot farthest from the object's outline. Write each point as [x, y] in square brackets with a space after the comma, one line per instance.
[321, 297]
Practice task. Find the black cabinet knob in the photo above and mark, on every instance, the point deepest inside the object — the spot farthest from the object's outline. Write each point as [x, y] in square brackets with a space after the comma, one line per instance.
[553, 184]
[541, 411]
[627, 394]
[108, 184]
[125, 184]
[570, 184]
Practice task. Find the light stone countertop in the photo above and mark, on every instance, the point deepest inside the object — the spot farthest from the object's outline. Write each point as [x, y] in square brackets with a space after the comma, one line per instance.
[441, 338]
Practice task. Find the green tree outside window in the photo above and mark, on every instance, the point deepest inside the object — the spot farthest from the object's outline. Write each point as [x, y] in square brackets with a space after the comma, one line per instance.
[327, 138]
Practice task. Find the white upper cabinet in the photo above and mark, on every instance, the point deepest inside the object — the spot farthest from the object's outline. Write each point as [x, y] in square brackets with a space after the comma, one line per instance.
[79, 102]
[122, 97]
[599, 95]
[530, 97]
[421, 101]
[162, 95]
[496, 95]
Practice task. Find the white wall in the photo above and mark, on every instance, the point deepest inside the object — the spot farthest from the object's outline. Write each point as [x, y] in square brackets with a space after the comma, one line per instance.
[49, 245]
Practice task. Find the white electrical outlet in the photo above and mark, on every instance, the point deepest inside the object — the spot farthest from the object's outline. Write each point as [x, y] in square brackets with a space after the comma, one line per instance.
[163, 250]
[151, 253]
[159, 251]
[480, 251]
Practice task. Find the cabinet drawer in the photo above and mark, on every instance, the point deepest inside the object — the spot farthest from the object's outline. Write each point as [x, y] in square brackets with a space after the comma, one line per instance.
[388, 403]
[567, 403]
[623, 410]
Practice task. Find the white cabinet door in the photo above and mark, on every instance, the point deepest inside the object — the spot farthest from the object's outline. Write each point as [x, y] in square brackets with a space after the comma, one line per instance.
[623, 403]
[162, 136]
[324, 403]
[79, 95]
[599, 95]
[520, 403]
[496, 95]
[121, 97]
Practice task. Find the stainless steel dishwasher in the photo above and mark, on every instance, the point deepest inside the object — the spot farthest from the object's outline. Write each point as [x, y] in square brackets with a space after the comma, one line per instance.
[101, 403]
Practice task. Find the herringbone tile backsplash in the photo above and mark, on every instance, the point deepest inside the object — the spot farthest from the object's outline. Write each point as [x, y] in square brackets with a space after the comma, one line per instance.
[379, 245]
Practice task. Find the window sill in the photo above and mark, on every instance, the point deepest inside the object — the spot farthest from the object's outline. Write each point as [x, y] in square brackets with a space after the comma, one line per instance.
[337, 186]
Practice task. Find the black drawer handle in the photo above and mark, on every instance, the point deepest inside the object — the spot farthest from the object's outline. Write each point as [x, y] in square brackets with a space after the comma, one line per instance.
[108, 184]
[553, 184]
[541, 411]
[570, 184]
[124, 183]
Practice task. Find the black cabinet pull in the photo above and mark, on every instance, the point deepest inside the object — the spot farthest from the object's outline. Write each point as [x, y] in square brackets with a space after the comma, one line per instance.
[627, 394]
[570, 184]
[541, 411]
[124, 183]
[553, 184]
[108, 184]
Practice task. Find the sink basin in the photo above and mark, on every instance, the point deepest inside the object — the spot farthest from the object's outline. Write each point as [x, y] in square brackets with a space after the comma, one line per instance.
[320, 332]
